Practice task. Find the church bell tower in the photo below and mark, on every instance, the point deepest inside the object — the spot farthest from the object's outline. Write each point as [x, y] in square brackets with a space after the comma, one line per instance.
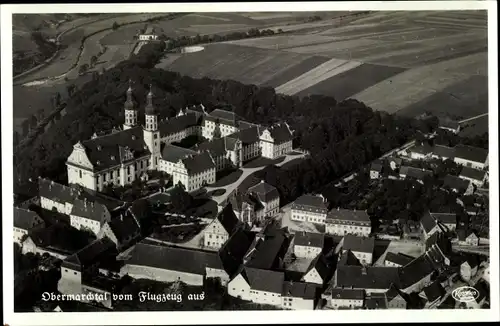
[130, 110]
[151, 131]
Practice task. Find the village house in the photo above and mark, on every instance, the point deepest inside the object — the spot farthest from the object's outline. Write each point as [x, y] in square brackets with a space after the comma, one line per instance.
[89, 215]
[469, 268]
[345, 221]
[250, 142]
[477, 177]
[247, 208]
[219, 123]
[268, 196]
[416, 275]
[442, 152]
[55, 240]
[82, 266]
[299, 296]
[458, 185]
[309, 208]
[420, 152]
[164, 263]
[221, 228]
[55, 196]
[376, 301]
[375, 170]
[472, 157]
[318, 271]
[395, 298]
[308, 244]
[233, 251]
[449, 220]
[429, 225]
[397, 259]
[371, 279]
[414, 173]
[123, 230]
[258, 285]
[394, 162]
[361, 247]
[24, 221]
[268, 249]
[432, 294]
[183, 126]
[467, 237]
[344, 298]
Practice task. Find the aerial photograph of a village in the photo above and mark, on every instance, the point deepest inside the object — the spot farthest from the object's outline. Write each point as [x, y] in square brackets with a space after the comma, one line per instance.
[330, 160]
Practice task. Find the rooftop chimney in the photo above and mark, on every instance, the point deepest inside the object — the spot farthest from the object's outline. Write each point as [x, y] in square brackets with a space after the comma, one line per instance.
[363, 270]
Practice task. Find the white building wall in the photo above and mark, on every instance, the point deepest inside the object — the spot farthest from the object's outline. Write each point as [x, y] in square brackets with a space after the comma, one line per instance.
[337, 303]
[79, 222]
[306, 251]
[239, 288]
[264, 297]
[18, 234]
[217, 273]
[313, 277]
[343, 229]
[251, 151]
[161, 275]
[294, 303]
[306, 216]
[50, 205]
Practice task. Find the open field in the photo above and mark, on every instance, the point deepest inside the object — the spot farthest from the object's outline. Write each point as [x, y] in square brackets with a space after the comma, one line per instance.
[225, 61]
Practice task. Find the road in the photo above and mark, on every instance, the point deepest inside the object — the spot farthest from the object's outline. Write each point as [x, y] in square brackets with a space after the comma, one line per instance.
[482, 250]
[246, 173]
[473, 118]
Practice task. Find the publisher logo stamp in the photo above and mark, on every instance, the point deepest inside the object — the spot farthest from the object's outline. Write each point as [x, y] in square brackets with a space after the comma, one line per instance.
[465, 294]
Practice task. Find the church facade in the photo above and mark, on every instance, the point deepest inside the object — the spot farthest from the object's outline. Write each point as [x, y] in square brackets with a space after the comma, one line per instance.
[122, 156]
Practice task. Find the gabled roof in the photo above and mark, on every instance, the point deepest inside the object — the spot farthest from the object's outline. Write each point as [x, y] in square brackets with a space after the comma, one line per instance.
[124, 227]
[346, 294]
[394, 293]
[321, 266]
[416, 173]
[347, 258]
[310, 203]
[174, 153]
[415, 271]
[264, 254]
[217, 146]
[434, 291]
[376, 166]
[60, 238]
[470, 153]
[398, 258]
[376, 301]
[264, 191]
[464, 234]
[302, 290]
[472, 173]
[173, 258]
[443, 151]
[56, 191]
[89, 209]
[281, 133]
[25, 219]
[472, 260]
[247, 136]
[348, 215]
[456, 183]
[228, 219]
[428, 222]
[178, 124]
[264, 280]
[358, 244]
[91, 254]
[238, 199]
[421, 149]
[198, 163]
[116, 148]
[366, 277]
[223, 116]
[232, 252]
[309, 239]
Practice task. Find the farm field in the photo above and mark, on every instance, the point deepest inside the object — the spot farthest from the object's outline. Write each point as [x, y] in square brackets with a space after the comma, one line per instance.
[475, 127]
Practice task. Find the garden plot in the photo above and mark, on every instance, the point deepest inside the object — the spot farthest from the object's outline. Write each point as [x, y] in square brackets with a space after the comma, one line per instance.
[284, 41]
[316, 75]
[295, 71]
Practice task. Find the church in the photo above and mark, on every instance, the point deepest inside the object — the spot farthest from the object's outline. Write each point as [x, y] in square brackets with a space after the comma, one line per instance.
[122, 156]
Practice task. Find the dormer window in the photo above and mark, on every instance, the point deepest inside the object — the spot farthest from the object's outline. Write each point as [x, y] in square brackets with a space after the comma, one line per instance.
[133, 137]
[112, 158]
[99, 147]
[98, 162]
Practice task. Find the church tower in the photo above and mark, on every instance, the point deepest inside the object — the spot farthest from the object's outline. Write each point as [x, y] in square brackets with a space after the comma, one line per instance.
[130, 110]
[151, 132]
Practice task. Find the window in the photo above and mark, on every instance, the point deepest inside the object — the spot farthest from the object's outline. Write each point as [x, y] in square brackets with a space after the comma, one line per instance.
[80, 173]
[128, 170]
[74, 273]
[104, 177]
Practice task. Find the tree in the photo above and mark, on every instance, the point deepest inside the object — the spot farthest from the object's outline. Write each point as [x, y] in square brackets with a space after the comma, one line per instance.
[181, 200]
[70, 89]
[115, 26]
[93, 60]
[83, 68]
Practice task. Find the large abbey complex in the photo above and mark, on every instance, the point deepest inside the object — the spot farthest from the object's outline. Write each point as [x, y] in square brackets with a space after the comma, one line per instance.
[122, 156]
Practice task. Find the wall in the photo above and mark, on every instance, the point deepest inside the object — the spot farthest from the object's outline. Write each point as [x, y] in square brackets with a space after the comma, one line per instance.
[217, 273]
[313, 277]
[239, 288]
[471, 164]
[50, 204]
[343, 229]
[350, 303]
[161, 275]
[297, 303]
[300, 215]
[18, 234]
[79, 223]
[306, 251]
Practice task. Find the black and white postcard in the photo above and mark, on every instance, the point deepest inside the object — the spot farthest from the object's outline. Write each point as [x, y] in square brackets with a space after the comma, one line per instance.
[250, 162]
